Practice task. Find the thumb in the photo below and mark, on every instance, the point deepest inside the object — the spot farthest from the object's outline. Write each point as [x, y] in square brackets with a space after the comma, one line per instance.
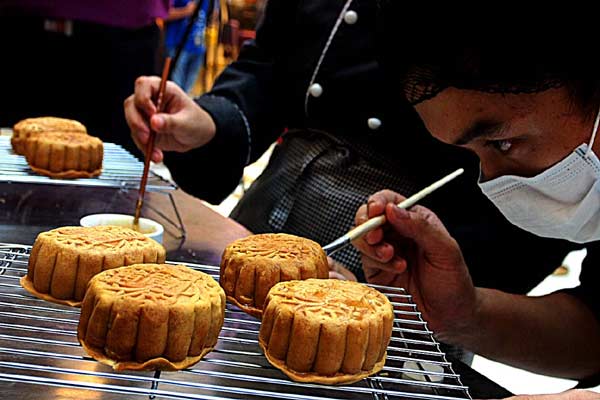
[163, 123]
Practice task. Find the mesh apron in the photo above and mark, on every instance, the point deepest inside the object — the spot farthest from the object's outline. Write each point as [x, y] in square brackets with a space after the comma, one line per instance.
[312, 187]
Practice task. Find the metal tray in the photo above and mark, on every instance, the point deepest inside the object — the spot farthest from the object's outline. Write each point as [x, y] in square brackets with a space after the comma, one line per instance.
[40, 357]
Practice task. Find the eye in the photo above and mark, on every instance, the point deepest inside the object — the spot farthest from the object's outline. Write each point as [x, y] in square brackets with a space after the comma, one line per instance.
[502, 146]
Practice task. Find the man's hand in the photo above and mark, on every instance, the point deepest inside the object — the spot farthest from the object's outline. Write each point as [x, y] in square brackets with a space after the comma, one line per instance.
[182, 126]
[414, 250]
[189, 8]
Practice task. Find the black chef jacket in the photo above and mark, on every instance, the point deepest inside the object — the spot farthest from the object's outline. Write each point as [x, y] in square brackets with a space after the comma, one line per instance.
[311, 78]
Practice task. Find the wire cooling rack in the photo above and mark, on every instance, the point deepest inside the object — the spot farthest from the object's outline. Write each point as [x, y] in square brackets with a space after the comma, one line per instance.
[120, 169]
[40, 357]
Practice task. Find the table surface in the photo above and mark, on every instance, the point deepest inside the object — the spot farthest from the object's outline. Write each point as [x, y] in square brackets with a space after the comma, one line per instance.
[28, 209]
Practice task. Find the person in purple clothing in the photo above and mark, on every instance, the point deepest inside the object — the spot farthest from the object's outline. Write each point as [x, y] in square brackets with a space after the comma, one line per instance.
[185, 71]
[77, 59]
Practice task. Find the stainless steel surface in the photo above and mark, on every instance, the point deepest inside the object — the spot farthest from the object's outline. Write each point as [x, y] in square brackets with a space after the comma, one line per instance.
[120, 169]
[40, 357]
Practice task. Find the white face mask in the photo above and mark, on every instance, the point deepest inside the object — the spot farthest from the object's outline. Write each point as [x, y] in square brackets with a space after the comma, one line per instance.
[562, 202]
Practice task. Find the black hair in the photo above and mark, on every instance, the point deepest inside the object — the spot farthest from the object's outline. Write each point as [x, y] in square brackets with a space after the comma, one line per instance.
[423, 52]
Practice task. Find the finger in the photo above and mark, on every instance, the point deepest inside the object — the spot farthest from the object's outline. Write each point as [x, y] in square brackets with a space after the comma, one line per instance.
[361, 215]
[384, 252]
[336, 275]
[340, 269]
[375, 206]
[396, 263]
[137, 126]
[166, 123]
[396, 266]
[379, 277]
[371, 274]
[378, 201]
[331, 263]
[174, 98]
[381, 251]
[399, 264]
[141, 146]
[136, 122]
[348, 275]
[374, 237]
[145, 89]
[418, 223]
[158, 122]
[157, 155]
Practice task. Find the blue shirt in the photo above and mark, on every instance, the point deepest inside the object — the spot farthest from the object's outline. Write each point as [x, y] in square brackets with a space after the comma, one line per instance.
[176, 29]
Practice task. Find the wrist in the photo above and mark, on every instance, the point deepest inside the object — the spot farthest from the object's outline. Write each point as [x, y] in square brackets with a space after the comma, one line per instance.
[202, 129]
[209, 127]
[464, 328]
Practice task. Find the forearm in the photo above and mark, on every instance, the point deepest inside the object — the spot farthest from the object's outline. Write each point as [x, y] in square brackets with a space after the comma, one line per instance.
[554, 335]
[177, 13]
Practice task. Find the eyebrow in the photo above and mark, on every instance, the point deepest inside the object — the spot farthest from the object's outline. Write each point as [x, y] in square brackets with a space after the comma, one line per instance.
[481, 128]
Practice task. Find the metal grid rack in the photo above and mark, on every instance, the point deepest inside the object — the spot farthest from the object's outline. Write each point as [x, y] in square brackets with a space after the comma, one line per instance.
[39, 349]
[120, 170]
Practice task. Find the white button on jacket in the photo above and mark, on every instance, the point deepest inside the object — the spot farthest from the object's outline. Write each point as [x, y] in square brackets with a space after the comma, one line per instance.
[350, 17]
[374, 123]
[315, 90]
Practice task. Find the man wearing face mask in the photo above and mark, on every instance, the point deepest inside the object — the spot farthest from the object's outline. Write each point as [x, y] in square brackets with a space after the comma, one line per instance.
[528, 108]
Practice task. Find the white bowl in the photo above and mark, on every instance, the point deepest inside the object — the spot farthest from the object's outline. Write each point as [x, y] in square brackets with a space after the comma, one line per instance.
[148, 227]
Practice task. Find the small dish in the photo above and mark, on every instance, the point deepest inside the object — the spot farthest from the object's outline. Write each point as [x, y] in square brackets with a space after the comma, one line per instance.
[148, 227]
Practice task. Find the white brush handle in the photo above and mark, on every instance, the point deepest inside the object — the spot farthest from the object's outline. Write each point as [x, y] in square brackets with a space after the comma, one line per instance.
[375, 222]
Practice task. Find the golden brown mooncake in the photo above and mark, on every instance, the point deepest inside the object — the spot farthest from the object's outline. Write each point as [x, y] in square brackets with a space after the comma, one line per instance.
[63, 260]
[65, 155]
[26, 128]
[252, 265]
[151, 316]
[326, 330]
